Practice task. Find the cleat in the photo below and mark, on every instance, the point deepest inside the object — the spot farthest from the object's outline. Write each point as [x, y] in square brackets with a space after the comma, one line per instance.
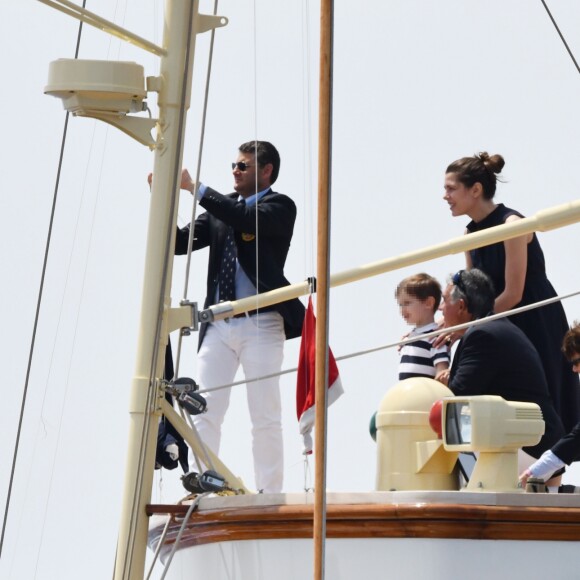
[536, 485]
[569, 489]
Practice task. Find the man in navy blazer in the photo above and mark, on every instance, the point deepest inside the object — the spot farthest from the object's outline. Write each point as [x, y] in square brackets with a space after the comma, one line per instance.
[261, 223]
[495, 358]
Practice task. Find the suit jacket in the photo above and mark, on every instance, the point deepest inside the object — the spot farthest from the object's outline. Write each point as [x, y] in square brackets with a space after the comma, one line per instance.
[167, 434]
[568, 448]
[270, 237]
[498, 359]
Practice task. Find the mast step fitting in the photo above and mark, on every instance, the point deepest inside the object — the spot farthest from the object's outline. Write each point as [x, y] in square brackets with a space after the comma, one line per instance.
[183, 318]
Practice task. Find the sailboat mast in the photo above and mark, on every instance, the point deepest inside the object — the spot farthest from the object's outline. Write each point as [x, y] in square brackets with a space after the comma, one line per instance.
[322, 280]
[174, 95]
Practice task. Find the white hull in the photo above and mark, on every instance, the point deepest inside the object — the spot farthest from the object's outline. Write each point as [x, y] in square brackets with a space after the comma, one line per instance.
[435, 535]
[396, 558]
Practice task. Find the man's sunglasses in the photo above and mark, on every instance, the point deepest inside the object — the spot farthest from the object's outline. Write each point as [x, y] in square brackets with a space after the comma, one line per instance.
[458, 281]
[241, 165]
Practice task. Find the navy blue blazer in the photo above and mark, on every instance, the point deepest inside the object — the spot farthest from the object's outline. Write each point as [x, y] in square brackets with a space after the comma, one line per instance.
[497, 358]
[568, 448]
[262, 246]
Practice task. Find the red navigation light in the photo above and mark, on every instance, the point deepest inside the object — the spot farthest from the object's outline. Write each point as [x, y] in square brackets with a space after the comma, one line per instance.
[435, 418]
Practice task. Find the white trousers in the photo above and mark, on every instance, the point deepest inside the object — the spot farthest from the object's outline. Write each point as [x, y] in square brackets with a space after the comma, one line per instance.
[257, 343]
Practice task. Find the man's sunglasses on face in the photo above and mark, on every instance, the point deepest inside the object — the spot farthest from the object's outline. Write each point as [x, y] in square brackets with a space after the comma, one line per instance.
[241, 166]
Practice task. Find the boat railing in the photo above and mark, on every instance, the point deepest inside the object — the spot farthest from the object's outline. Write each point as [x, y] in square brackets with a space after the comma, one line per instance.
[544, 220]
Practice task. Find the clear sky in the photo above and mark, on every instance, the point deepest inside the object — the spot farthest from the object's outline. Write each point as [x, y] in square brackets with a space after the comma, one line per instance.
[417, 84]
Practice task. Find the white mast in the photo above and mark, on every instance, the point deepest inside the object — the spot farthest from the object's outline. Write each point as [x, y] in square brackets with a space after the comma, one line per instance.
[174, 95]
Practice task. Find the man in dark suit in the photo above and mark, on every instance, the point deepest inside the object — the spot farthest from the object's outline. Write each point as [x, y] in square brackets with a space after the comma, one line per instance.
[248, 233]
[567, 449]
[495, 358]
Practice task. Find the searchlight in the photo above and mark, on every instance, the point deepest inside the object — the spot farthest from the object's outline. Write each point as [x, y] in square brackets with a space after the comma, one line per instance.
[495, 429]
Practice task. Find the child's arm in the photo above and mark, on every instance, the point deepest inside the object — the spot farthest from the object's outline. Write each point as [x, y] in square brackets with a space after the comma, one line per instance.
[442, 372]
[440, 360]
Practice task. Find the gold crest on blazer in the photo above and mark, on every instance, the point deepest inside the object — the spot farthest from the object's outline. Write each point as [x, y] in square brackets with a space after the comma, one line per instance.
[248, 237]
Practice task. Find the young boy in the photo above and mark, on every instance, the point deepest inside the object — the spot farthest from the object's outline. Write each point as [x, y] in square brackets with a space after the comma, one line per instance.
[418, 297]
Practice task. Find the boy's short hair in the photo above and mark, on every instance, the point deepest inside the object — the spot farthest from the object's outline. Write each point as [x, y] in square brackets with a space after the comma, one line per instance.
[571, 344]
[421, 286]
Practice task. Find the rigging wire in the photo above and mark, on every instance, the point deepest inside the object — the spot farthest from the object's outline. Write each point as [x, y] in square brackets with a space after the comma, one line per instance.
[161, 540]
[83, 278]
[192, 218]
[308, 178]
[308, 182]
[561, 36]
[255, 55]
[428, 335]
[37, 312]
[74, 344]
[30, 480]
[191, 509]
[197, 177]
[160, 543]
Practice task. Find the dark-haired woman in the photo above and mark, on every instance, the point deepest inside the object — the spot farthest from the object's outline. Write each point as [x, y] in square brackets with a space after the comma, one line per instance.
[518, 272]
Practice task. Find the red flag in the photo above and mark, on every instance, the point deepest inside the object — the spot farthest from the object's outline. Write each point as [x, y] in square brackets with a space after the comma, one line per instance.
[305, 389]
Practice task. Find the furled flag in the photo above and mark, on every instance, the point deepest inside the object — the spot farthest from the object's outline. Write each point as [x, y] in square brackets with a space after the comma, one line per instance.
[305, 389]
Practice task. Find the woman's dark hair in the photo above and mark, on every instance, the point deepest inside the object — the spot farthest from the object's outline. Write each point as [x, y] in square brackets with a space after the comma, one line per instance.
[481, 168]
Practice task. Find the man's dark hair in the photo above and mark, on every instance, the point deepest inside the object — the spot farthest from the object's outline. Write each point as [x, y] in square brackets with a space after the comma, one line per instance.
[475, 288]
[265, 153]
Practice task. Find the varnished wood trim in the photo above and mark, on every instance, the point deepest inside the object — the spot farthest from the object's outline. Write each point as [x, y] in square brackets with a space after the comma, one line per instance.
[378, 521]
